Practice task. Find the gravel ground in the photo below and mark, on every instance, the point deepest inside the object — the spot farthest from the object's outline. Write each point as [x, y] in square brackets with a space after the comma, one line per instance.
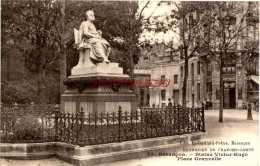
[235, 128]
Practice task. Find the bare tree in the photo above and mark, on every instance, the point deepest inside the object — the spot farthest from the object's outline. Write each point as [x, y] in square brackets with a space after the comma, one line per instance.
[189, 23]
[224, 25]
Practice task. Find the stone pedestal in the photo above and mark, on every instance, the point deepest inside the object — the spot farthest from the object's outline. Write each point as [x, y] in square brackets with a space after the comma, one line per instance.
[97, 88]
[100, 68]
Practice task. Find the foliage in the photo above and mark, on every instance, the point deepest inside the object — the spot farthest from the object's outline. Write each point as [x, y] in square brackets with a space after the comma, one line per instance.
[28, 128]
[26, 91]
[31, 25]
[225, 28]
[153, 121]
[32, 32]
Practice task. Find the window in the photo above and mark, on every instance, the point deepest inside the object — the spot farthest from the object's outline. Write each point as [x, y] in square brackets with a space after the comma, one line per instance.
[252, 68]
[229, 70]
[240, 93]
[163, 95]
[217, 93]
[198, 68]
[209, 90]
[192, 73]
[163, 76]
[147, 99]
[251, 32]
[198, 91]
[175, 79]
[142, 96]
[175, 96]
[181, 71]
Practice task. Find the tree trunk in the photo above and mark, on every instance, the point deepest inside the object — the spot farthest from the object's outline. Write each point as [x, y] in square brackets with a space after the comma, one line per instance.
[43, 87]
[171, 56]
[131, 72]
[221, 87]
[63, 62]
[8, 67]
[222, 55]
[63, 70]
[41, 75]
[184, 88]
[41, 81]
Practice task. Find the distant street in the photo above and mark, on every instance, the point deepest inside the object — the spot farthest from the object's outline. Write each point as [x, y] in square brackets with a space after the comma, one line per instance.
[235, 128]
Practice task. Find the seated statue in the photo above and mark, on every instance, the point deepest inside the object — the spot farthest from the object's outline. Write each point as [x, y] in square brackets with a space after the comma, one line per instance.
[89, 37]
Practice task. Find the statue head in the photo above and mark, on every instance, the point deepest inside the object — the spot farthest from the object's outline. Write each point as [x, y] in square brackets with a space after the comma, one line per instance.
[90, 15]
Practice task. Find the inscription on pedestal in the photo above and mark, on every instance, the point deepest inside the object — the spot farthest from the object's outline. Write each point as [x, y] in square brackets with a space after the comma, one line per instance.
[87, 107]
[113, 106]
[70, 106]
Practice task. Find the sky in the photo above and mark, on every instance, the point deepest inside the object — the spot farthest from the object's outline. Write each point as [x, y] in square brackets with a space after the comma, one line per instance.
[153, 8]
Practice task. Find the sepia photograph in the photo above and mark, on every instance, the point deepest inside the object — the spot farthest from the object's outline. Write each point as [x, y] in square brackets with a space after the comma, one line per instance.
[129, 83]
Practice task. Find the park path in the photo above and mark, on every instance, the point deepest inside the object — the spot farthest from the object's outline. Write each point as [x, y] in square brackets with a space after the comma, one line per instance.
[235, 128]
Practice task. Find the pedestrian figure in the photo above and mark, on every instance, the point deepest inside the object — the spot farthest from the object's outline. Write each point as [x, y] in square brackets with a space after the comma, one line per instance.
[206, 105]
[153, 105]
[249, 112]
[170, 103]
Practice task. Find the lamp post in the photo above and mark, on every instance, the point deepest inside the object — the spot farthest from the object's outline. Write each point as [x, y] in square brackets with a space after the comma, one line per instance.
[249, 108]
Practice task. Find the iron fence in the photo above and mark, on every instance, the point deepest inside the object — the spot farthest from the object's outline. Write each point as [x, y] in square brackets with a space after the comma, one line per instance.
[28, 123]
[100, 128]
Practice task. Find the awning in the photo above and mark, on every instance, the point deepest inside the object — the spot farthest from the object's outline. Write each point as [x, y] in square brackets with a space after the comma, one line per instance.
[255, 79]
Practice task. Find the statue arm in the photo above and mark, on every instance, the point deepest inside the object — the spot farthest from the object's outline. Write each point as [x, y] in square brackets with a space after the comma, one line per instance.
[88, 33]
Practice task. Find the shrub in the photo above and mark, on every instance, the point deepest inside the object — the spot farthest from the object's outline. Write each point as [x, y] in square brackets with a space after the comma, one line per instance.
[153, 121]
[28, 129]
[19, 92]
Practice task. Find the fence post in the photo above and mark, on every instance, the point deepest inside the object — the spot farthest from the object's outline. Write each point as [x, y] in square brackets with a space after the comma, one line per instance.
[119, 123]
[188, 118]
[179, 118]
[57, 111]
[15, 106]
[202, 118]
[82, 117]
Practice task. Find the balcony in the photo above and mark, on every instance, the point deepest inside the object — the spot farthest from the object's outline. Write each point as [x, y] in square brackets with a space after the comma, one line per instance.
[142, 71]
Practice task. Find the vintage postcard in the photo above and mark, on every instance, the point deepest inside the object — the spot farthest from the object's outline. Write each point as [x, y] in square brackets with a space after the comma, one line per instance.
[137, 83]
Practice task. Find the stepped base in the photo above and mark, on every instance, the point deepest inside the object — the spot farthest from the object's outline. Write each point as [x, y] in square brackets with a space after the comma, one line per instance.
[100, 68]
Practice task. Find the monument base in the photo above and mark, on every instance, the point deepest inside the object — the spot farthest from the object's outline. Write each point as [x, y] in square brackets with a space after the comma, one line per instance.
[97, 93]
[97, 87]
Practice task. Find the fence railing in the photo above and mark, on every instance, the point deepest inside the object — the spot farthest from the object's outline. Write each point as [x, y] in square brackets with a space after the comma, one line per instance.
[100, 128]
[28, 123]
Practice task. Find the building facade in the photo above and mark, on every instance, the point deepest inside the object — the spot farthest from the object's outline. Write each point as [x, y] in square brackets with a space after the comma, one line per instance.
[240, 75]
[142, 73]
[160, 95]
[203, 84]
